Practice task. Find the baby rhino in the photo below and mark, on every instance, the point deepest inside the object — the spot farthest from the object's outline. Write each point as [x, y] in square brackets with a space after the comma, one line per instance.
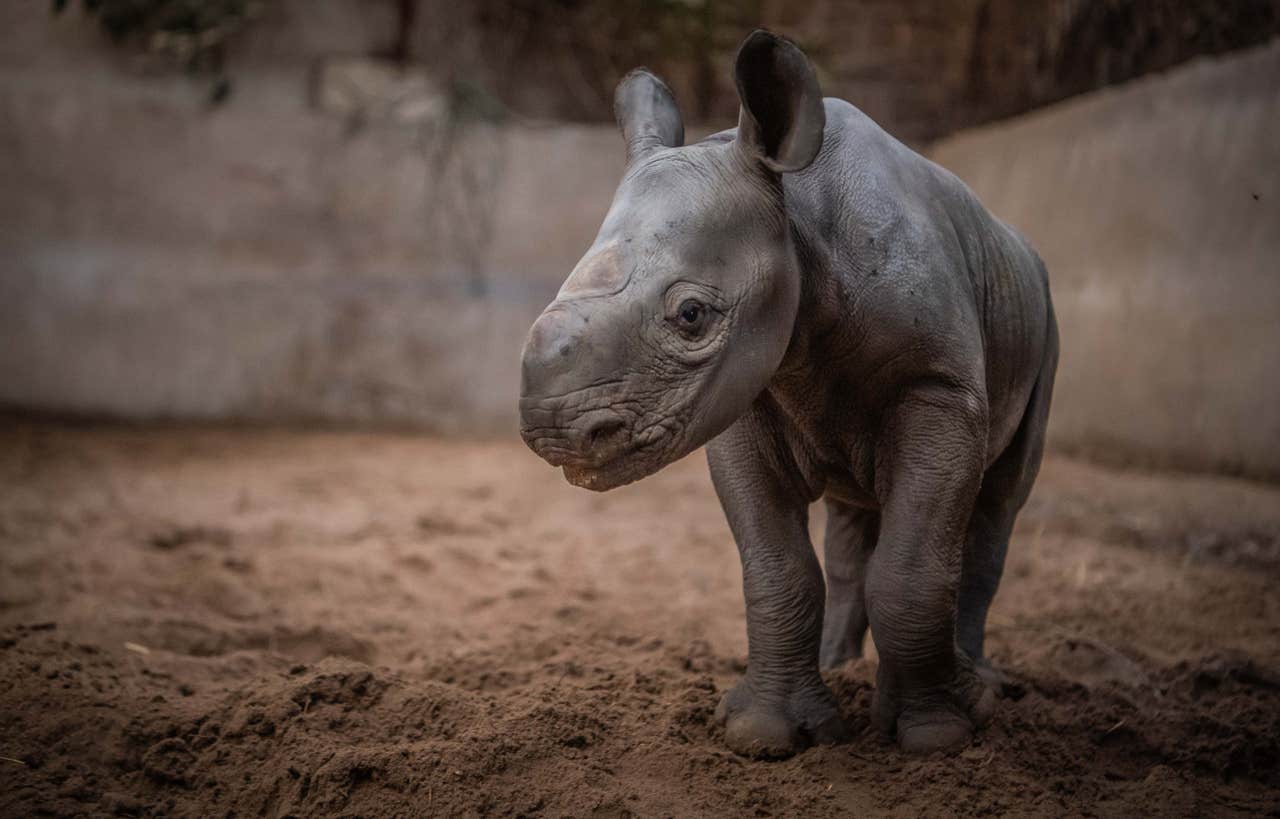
[836, 317]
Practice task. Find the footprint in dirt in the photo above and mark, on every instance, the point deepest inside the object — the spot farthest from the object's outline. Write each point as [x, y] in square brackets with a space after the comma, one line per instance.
[1092, 663]
[173, 537]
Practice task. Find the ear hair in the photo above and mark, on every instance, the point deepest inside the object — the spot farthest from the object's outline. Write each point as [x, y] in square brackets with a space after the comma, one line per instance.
[782, 116]
[647, 114]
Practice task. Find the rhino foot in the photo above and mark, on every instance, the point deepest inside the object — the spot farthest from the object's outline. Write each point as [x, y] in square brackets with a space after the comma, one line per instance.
[941, 718]
[775, 726]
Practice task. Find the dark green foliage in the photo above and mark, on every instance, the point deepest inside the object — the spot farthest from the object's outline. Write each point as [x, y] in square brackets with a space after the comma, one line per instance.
[193, 33]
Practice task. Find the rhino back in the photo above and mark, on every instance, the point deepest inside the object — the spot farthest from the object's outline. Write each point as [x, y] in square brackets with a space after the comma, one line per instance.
[914, 255]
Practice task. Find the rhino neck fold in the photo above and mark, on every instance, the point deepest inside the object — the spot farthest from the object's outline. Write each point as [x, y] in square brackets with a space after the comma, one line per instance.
[816, 311]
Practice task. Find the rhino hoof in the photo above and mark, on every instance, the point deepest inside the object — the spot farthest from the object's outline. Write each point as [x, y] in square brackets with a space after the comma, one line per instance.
[939, 720]
[778, 727]
[942, 732]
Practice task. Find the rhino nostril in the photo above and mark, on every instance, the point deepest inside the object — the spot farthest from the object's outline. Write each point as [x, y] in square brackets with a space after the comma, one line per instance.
[604, 431]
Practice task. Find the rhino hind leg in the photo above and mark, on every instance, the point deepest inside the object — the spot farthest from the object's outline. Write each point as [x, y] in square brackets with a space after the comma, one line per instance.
[985, 549]
[851, 535]
[1005, 488]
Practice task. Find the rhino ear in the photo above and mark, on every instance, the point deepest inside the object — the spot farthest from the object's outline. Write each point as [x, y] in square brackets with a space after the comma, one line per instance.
[647, 114]
[782, 116]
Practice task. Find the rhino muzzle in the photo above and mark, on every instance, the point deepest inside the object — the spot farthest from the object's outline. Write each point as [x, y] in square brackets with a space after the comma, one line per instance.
[566, 423]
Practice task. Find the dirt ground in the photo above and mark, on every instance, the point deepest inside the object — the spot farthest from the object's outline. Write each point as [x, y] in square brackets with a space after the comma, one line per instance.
[206, 622]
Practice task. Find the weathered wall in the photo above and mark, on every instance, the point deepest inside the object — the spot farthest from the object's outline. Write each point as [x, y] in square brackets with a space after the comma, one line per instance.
[1156, 207]
[264, 259]
[922, 68]
[269, 259]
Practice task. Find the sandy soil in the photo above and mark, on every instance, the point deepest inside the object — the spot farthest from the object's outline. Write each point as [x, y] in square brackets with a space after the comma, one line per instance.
[201, 622]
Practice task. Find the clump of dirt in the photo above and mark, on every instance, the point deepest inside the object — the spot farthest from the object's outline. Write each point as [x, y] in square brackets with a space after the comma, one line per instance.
[204, 622]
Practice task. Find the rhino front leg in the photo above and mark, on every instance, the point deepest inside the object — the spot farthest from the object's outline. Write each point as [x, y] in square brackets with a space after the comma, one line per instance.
[929, 468]
[851, 535]
[781, 705]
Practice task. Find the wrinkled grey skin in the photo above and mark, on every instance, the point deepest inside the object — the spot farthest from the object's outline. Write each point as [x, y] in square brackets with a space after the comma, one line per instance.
[835, 317]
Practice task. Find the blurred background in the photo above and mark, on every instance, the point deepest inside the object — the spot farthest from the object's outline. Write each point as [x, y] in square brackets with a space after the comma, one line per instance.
[349, 211]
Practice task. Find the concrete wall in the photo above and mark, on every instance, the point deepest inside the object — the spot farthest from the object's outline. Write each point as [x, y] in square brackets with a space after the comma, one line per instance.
[267, 259]
[1156, 207]
[276, 259]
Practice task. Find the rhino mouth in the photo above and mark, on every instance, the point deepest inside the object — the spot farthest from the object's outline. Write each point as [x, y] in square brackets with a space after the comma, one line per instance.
[639, 459]
[619, 471]
[598, 447]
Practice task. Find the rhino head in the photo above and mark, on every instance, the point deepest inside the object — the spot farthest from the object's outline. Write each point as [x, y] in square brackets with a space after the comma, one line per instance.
[680, 312]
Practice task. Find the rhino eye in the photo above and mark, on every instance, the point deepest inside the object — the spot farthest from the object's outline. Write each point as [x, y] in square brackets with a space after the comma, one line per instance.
[691, 315]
